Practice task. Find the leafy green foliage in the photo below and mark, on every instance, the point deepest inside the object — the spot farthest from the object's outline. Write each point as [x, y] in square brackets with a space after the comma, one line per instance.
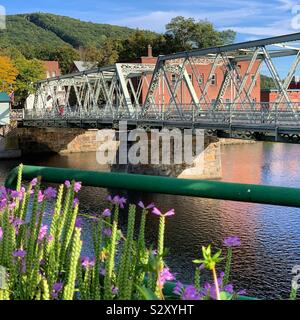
[30, 71]
[267, 82]
[187, 34]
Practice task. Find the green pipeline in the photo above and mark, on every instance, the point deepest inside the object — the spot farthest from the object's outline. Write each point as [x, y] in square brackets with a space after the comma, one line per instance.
[281, 196]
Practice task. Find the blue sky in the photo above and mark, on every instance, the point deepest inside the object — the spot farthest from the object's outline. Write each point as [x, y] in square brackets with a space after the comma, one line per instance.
[251, 19]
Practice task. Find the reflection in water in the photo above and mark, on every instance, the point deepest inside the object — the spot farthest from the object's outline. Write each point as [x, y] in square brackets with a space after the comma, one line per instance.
[270, 235]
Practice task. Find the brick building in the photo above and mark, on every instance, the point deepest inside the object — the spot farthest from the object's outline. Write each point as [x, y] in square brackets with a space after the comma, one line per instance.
[52, 69]
[271, 95]
[200, 74]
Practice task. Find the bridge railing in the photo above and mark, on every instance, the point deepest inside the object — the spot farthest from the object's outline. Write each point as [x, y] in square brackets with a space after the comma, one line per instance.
[229, 113]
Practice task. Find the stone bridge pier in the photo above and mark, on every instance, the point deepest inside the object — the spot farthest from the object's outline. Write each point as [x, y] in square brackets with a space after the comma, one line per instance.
[206, 165]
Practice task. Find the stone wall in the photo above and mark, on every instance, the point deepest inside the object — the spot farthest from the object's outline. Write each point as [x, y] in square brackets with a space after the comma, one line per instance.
[58, 140]
[9, 145]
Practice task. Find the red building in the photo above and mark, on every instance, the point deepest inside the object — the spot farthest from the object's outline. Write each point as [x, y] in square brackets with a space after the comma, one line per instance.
[199, 74]
[52, 69]
[271, 95]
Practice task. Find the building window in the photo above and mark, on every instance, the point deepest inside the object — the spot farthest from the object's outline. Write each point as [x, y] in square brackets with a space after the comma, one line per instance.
[201, 78]
[173, 79]
[48, 74]
[53, 74]
[213, 80]
[191, 77]
[252, 78]
[227, 101]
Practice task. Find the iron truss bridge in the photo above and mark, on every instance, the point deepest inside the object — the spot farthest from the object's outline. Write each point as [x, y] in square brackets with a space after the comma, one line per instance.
[217, 89]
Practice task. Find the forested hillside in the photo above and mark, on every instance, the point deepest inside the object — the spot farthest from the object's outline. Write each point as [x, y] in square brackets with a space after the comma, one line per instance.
[33, 31]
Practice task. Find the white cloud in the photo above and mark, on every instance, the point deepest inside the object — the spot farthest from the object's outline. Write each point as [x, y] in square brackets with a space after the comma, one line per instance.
[156, 20]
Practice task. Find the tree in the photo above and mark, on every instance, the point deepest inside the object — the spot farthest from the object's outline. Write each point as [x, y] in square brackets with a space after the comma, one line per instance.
[29, 72]
[64, 55]
[266, 82]
[8, 74]
[107, 54]
[186, 34]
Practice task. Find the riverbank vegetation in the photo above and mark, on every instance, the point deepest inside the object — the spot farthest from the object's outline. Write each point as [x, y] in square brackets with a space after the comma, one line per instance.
[42, 259]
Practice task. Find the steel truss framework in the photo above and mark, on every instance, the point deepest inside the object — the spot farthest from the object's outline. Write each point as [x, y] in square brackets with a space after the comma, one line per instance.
[151, 95]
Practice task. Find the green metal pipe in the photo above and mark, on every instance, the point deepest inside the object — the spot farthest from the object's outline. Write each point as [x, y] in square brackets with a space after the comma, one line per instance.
[185, 187]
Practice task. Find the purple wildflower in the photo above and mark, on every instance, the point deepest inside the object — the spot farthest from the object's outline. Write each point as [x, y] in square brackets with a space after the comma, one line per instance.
[107, 232]
[191, 293]
[165, 275]
[178, 289]
[102, 271]
[109, 198]
[17, 223]
[11, 205]
[87, 263]
[50, 238]
[149, 206]
[19, 253]
[232, 242]
[76, 202]
[57, 286]
[17, 195]
[77, 186]
[242, 292]
[43, 232]
[114, 290]
[121, 201]
[3, 203]
[3, 192]
[1, 233]
[33, 182]
[159, 213]
[106, 213]
[54, 295]
[78, 222]
[67, 183]
[228, 288]
[50, 193]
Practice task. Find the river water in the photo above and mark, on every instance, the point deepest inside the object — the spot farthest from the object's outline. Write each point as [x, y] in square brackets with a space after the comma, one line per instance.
[270, 235]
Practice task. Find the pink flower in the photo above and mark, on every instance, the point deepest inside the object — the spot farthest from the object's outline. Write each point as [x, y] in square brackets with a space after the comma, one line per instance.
[43, 232]
[67, 184]
[1, 233]
[150, 206]
[106, 213]
[77, 186]
[33, 182]
[40, 196]
[165, 275]
[159, 213]
[87, 263]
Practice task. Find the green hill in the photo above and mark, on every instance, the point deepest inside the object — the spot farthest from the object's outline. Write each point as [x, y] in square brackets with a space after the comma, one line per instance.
[38, 30]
